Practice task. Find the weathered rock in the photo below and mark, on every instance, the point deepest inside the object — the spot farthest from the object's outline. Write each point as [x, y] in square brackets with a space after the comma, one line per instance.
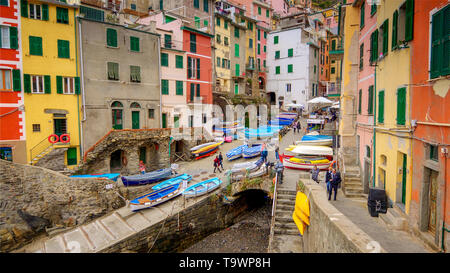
[36, 223]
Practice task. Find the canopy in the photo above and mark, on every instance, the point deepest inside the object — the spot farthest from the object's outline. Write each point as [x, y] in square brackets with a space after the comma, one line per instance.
[320, 100]
[297, 105]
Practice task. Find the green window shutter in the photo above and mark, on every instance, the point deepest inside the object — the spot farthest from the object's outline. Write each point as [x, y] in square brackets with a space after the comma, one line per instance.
[205, 5]
[45, 12]
[35, 45]
[192, 92]
[193, 43]
[385, 37]
[225, 24]
[265, 48]
[24, 8]
[63, 49]
[77, 85]
[164, 59]
[135, 73]
[290, 68]
[198, 90]
[381, 107]
[26, 83]
[362, 13]
[236, 50]
[165, 87]
[236, 32]
[237, 70]
[360, 101]
[277, 54]
[361, 56]
[375, 45]
[267, 13]
[47, 84]
[59, 84]
[277, 70]
[196, 4]
[16, 80]
[275, 40]
[259, 48]
[218, 21]
[167, 40]
[189, 67]
[370, 101]
[265, 35]
[290, 52]
[178, 61]
[259, 34]
[134, 44]
[179, 86]
[218, 61]
[62, 15]
[436, 46]
[409, 20]
[401, 106]
[394, 29]
[445, 66]
[198, 68]
[373, 9]
[13, 38]
[111, 37]
[259, 10]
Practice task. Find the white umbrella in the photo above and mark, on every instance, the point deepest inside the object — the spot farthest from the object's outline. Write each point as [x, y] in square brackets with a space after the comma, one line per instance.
[320, 100]
[294, 105]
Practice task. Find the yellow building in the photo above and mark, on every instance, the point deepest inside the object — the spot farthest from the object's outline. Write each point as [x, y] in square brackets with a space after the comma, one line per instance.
[251, 74]
[51, 80]
[222, 53]
[336, 52]
[393, 149]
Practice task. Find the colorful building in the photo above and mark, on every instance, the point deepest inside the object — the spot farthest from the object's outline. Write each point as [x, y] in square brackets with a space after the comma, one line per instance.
[429, 208]
[51, 80]
[222, 52]
[12, 116]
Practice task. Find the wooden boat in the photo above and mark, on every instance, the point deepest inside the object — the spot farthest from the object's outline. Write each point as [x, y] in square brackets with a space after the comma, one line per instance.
[247, 166]
[316, 140]
[205, 147]
[156, 197]
[202, 188]
[206, 153]
[310, 150]
[257, 173]
[99, 176]
[305, 162]
[235, 153]
[146, 178]
[172, 181]
[250, 152]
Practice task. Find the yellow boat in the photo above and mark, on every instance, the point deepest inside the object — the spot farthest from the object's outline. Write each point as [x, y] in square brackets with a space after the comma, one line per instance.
[301, 201]
[309, 161]
[299, 223]
[301, 215]
[203, 147]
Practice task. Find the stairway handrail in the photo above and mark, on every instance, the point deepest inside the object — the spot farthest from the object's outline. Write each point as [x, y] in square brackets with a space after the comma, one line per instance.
[38, 144]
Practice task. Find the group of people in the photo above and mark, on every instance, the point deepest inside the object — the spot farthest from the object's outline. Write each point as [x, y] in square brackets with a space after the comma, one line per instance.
[218, 162]
[297, 126]
[332, 180]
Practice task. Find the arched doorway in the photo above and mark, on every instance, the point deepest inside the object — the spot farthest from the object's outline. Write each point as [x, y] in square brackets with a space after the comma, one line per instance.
[135, 114]
[117, 113]
[117, 161]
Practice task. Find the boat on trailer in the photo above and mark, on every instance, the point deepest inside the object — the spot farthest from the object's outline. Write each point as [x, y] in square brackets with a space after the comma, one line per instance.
[156, 197]
[202, 188]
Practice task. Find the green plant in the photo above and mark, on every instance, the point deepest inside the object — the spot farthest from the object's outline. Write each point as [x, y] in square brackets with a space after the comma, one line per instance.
[301, 186]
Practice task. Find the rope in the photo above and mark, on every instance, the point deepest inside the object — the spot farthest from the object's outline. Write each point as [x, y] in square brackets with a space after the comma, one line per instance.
[159, 232]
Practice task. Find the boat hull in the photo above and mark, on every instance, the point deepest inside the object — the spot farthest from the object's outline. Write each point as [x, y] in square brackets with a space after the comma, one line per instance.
[155, 198]
[147, 178]
[287, 163]
[200, 189]
[324, 142]
[172, 181]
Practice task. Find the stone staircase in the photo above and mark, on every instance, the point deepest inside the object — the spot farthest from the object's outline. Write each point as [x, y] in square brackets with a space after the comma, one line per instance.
[352, 183]
[283, 223]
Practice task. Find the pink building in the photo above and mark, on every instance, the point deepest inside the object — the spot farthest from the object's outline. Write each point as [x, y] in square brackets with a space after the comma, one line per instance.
[365, 91]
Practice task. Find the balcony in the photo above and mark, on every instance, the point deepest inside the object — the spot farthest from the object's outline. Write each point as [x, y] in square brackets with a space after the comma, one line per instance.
[197, 100]
[250, 67]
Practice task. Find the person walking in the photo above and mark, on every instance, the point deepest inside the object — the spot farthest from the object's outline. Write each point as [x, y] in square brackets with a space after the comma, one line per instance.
[279, 169]
[295, 126]
[315, 174]
[328, 178]
[299, 126]
[264, 152]
[216, 164]
[221, 160]
[335, 183]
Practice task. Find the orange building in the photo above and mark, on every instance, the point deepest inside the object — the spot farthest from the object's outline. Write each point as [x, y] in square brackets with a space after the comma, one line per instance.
[430, 74]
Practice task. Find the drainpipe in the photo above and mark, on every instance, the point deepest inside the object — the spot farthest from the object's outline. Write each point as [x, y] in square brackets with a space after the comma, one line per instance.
[445, 198]
[160, 95]
[374, 155]
[80, 128]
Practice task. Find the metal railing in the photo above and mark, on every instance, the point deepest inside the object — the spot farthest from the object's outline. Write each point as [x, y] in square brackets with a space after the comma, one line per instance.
[42, 146]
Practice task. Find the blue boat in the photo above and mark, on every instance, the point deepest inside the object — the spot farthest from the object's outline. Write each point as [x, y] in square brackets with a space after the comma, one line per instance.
[155, 198]
[172, 181]
[235, 152]
[316, 137]
[249, 152]
[111, 176]
[202, 187]
[146, 178]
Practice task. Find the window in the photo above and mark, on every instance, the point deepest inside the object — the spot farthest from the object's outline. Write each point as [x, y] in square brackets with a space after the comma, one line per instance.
[315, 67]
[401, 106]
[277, 54]
[205, 23]
[259, 35]
[179, 88]
[374, 46]
[9, 37]
[434, 152]
[275, 40]
[259, 48]
[440, 43]
[236, 32]
[135, 73]
[361, 57]
[333, 45]
[381, 107]
[35, 45]
[362, 14]
[265, 35]
[259, 10]
[5, 79]
[193, 43]
[385, 34]
[134, 44]
[204, 118]
[93, 14]
[164, 59]
[225, 41]
[218, 61]
[218, 21]
[205, 5]
[370, 101]
[409, 20]
[360, 101]
[111, 37]
[250, 43]
[224, 63]
[133, 6]
[367, 151]
[193, 68]
[63, 49]
[151, 113]
[265, 49]
[37, 84]
[237, 68]
[277, 70]
[373, 9]
[35, 11]
[197, 4]
[290, 52]
[267, 13]
[113, 71]
[4, 3]
[62, 15]
[332, 70]
[36, 127]
[197, 21]
[250, 26]
[72, 156]
[218, 38]
[288, 87]
[290, 68]
[165, 87]
[179, 61]
[236, 50]
[68, 85]
[394, 29]
[225, 24]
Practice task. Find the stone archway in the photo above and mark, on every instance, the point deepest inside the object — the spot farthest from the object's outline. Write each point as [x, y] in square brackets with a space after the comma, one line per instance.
[117, 160]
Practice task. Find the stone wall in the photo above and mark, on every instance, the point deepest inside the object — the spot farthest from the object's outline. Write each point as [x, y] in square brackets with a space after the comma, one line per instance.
[329, 230]
[54, 160]
[33, 199]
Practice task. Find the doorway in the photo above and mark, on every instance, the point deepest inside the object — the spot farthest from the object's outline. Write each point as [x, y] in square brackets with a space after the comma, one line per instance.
[59, 125]
[432, 197]
[164, 120]
[115, 163]
[135, 124]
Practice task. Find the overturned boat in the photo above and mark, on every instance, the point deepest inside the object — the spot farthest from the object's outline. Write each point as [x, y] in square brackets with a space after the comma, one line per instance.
[146, 178]
[156, 197]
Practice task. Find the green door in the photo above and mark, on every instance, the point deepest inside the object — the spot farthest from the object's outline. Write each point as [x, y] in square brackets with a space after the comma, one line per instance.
[72, 156]
[404, 180]
[164, 120]
[117, 118]
[176, 121]
[236, 89]
[135, 120]
[59, 126]
[192, 92]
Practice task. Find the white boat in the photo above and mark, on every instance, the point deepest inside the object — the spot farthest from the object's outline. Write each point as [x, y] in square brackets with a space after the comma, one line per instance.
[240, 175]
[310, 150]
[318, 142]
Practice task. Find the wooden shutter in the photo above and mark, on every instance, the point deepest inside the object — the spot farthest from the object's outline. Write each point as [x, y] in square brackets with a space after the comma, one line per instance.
[385, 36]
[77, 85]
[198, 90]
[445, 43]
[370, 101]
[401, 106]
[236, 50]
[45, 12]
[192, 91]
[26, 83]
[394, 29]
[290, 52]
[362, 14]
[179, 87]
[111, 37]
[275, 40]
[189, 67]
[179, 61]
[237, 70]
[59, 84]
[24, 8]
[47, 84]
[13, 38]
[436, 47]
[16, 80]
[198, 68]
[381, 107]
[409, 20]
[360, 100]
[361, 56]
